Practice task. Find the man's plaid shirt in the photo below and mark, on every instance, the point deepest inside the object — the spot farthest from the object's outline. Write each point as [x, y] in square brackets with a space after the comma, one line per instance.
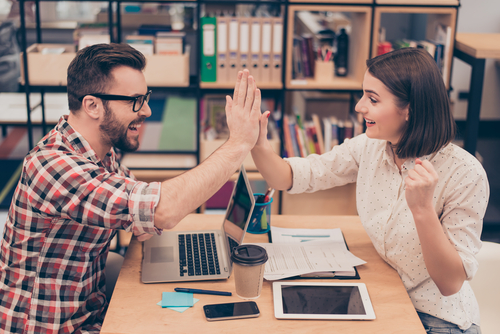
[65, 210]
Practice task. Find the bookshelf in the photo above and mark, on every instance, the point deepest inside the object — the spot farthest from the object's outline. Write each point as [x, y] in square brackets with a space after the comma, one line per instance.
[182, 74]
[360, 23]
[417, 23]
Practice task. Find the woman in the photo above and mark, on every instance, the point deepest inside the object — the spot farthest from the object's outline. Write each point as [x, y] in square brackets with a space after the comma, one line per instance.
[421, 199]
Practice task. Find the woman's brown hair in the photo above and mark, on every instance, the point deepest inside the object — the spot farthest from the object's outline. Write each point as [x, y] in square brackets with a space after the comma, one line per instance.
[413, 77]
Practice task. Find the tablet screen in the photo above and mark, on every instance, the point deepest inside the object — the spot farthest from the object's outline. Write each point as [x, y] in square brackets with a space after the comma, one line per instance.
[322, 300]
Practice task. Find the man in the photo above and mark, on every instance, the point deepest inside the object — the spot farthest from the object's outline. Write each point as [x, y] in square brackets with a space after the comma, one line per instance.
[73, 194]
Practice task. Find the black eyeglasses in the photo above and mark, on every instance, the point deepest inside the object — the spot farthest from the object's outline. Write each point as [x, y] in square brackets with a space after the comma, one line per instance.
[138, 100]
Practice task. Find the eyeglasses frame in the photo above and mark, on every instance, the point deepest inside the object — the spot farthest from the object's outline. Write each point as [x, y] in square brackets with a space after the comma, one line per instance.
[111, 97]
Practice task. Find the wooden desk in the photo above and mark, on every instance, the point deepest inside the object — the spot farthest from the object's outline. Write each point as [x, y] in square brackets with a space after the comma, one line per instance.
[474, 49]
[133, 306]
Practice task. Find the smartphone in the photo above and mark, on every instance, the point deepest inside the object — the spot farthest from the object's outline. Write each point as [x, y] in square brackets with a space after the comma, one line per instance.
[229, 311]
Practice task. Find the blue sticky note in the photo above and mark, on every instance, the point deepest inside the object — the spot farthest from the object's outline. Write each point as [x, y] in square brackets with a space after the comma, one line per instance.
[179, 308]
[169, 299]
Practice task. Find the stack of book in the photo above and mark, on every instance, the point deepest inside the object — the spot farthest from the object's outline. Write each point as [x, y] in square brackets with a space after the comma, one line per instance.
[87, 34]
[439, 47]
[168, 43]
[317, 136]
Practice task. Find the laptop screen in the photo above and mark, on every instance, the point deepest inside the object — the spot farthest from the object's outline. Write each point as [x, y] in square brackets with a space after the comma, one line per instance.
[238, 212]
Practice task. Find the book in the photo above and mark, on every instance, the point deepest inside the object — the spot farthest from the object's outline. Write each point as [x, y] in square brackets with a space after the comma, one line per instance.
[215, 109]
[317, 125]
[287, 137]
[91, 39]
[311, 58]
[170, 43]
[327, 126]
[144, 44]
[305, 58]
[297, 65]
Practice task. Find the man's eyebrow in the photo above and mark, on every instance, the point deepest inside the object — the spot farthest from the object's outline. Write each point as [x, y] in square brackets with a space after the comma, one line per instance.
[371, 91]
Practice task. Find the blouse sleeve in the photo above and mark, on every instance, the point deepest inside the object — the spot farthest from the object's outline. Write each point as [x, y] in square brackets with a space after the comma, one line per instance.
[463, 211]
[335, 168]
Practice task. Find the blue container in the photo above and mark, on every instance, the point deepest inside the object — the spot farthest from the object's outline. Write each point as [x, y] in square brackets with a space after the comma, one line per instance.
[261, 217]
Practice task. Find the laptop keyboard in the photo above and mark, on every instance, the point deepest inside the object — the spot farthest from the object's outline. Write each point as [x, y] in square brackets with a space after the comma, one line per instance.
[198, 255]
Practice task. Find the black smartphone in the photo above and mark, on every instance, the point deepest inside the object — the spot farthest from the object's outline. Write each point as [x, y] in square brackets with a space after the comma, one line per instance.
[229, 311]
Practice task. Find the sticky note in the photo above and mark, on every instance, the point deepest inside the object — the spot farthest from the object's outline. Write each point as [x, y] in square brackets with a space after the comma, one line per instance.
[179, 309]
[177, 299]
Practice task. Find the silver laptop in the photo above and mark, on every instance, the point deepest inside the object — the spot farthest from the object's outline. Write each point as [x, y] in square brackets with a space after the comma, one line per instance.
[200, 255]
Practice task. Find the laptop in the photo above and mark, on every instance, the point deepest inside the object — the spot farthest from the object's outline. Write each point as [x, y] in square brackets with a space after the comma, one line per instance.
[178, 256]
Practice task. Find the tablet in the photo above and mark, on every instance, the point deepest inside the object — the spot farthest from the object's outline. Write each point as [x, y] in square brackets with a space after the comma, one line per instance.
[322, 300]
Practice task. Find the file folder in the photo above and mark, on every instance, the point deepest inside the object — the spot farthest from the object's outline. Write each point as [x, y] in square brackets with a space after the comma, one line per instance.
[277, 54]
[208, 56]
[244, 44]
[233, 47]
[222, 50]
[255, 54]
[265, 70]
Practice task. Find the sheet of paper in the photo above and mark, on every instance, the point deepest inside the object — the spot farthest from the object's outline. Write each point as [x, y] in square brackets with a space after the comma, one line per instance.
[307, 251]
[297, 235]
[169, 299]
[292, 259]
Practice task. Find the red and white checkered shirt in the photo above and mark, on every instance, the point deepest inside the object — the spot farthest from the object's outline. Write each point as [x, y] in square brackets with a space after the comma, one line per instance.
[65, 211]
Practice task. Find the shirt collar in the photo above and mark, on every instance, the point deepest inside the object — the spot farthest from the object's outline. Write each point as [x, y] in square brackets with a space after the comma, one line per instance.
[410, 163]
[82, 146]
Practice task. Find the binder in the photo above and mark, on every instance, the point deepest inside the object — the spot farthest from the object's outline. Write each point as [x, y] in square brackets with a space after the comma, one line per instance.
[255, 54]
[244, 44]
[265, 68]
[208, 56]
[233, 47]
[277, 54]
[222, 50]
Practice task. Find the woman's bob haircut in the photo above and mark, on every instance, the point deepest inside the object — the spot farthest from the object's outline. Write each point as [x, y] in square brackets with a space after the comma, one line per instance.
[414, 79]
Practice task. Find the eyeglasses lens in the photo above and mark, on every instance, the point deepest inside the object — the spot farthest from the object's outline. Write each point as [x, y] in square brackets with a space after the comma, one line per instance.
[139, 102]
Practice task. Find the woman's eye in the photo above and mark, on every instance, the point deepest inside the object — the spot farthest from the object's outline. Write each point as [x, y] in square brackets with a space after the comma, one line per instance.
[373, 100]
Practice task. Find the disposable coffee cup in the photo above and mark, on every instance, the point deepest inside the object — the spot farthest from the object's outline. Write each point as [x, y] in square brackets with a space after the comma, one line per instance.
[248, 265]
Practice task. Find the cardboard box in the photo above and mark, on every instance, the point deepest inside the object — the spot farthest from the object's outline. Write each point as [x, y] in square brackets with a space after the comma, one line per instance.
[48, 69]
[167, 70]
[51, 69]
[207, 147]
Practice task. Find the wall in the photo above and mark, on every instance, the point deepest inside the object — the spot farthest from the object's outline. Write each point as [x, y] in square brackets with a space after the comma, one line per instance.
[478, 16]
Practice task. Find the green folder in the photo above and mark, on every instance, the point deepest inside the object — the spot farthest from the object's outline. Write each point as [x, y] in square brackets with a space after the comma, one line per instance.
[208, 49]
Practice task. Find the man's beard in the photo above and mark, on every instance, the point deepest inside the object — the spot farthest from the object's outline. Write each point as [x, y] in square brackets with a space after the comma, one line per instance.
[116, 133]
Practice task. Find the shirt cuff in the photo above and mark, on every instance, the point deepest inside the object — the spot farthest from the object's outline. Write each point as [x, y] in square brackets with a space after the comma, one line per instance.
[471, 265]
[142, 203]
[300, 174]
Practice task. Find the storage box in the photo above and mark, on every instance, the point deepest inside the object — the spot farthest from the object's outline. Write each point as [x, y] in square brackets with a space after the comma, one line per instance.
[323, 71]
[51, 69]
[48, 69]
[167, 71]
[207, 147]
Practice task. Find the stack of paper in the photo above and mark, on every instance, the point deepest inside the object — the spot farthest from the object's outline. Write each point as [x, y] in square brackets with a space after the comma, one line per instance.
[177, 301]
[297, 252]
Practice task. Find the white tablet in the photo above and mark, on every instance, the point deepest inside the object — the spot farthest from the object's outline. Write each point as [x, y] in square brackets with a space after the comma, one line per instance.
[322, 300]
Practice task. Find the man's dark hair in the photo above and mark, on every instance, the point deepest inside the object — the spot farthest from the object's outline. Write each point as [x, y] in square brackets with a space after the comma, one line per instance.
[90, 71]
[413, 77]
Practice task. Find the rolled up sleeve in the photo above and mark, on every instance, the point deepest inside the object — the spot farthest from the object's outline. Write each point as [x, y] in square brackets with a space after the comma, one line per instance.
[142, 203]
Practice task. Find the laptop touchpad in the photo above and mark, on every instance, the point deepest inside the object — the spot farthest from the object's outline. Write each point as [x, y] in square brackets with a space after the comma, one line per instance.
[162, 254]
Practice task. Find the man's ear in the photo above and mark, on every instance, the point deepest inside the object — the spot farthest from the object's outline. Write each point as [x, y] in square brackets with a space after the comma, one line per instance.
[92, 106]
